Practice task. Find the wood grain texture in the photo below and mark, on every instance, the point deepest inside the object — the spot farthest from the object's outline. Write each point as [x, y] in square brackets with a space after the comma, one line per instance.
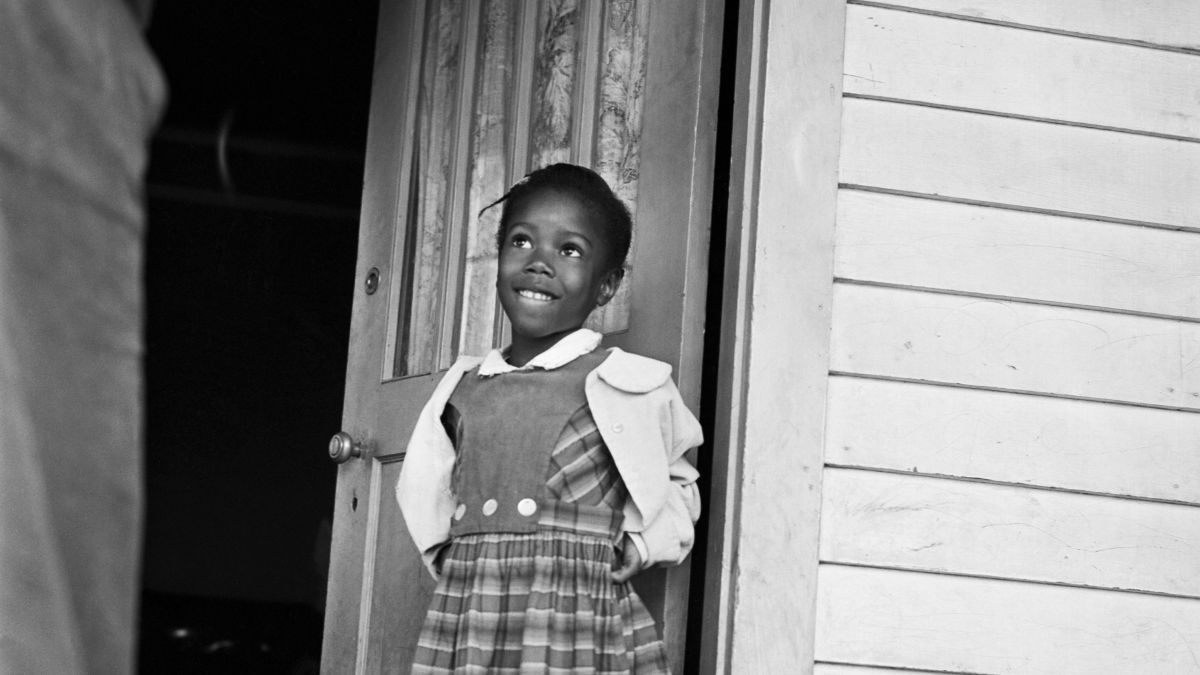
[1003, 531]
[933, 244]
[903, 55]
[938, 622]
[1016, 346]
[1172, 23]
[1021, 163]
[490, 150]
[1014, 438]
[554, 82]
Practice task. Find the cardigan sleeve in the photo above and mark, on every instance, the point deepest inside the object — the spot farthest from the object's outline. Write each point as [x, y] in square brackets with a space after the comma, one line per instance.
[670, 535]
[423, 490]
[649, 429]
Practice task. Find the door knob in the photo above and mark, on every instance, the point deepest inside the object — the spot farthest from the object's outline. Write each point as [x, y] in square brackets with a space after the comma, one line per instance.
[343, 446]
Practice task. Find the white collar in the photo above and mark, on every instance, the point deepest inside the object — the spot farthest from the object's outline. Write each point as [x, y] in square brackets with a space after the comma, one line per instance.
[566, 350]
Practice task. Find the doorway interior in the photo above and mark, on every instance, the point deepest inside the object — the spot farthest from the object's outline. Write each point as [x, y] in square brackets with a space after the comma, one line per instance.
[253, 202]
[253, 193]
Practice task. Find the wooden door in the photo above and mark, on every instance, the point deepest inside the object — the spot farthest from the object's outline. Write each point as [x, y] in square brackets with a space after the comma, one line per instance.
[467, 97]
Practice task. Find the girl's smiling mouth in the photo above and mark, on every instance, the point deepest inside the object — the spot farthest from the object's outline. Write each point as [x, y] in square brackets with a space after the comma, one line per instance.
[529, 294]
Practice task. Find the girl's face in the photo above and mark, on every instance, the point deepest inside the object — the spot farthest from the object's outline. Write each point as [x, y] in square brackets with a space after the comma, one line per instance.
[552, 272]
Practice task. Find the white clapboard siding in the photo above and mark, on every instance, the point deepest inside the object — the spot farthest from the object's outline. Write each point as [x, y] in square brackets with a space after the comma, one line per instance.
[939, 622]
[841, 669]
[1014, 438]
[1173, 23]
[951, 62]
[1004, 531]
[1016, 346]
[1018, 162]
[934, 244]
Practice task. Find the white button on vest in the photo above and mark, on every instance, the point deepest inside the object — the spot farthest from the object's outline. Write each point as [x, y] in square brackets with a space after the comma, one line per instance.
[526, 507]
[489, 507]
[618, 428]
[460, 512]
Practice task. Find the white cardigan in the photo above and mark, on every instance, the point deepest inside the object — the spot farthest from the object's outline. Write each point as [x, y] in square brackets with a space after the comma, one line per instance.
[642, 420]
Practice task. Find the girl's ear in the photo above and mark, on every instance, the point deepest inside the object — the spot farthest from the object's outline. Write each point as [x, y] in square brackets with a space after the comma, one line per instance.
[609, 285]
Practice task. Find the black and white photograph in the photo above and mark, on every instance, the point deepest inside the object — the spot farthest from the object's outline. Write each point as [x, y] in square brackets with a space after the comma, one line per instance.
[649, 337]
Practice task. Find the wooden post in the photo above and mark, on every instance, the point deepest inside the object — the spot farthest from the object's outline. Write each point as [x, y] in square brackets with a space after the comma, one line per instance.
[761, 585]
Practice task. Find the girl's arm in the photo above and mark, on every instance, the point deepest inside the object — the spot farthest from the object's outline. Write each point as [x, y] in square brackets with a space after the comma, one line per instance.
[669, 536]
[423, 489]
[649, 430]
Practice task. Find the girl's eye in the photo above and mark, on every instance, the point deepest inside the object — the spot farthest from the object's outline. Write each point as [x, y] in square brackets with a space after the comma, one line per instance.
[572, 251]
[521, 241]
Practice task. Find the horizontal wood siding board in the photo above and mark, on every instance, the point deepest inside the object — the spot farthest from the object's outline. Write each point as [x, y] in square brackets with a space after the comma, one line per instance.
[1020, 163]
[912, 335]
[848, 669]
[1099, 448]
[1003, 531]
[959, 624]
[1169, 23]
[919, 57]
[961, 247]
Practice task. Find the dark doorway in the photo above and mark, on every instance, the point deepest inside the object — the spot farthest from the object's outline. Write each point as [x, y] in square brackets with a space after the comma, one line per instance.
[253, 196]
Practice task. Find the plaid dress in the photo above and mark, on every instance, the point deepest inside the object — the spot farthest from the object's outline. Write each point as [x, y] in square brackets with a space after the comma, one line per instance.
[544, 602]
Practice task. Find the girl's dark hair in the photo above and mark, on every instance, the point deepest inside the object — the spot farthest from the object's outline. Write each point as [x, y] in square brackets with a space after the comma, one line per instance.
[587, 186]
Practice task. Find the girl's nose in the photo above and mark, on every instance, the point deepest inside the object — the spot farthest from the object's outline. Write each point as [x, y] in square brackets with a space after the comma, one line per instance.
[538, 265]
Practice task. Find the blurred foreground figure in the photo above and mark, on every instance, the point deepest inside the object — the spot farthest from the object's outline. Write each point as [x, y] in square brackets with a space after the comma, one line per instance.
[79, 96]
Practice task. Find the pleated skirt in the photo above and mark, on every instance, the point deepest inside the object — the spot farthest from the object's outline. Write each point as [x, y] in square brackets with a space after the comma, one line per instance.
[542, 602]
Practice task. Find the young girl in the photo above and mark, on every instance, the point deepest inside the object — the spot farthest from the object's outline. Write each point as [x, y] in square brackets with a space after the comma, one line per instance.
[540, 478]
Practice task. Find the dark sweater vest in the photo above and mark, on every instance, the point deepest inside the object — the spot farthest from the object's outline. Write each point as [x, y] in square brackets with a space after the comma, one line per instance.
[508, 426]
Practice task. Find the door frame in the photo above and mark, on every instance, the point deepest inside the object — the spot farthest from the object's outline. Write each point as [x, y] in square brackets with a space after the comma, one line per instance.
[664, 298]
[686, 57]
[773, 368]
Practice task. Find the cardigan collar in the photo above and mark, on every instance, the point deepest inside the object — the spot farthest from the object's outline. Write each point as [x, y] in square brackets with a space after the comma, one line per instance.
[566, 350]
